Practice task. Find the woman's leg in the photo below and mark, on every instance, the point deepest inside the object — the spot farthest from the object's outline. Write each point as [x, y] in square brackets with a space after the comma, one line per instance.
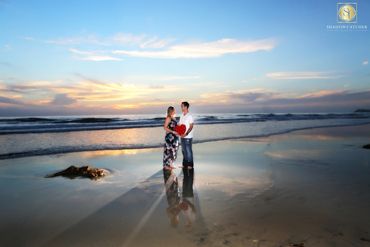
[166, 156]
[169, 155]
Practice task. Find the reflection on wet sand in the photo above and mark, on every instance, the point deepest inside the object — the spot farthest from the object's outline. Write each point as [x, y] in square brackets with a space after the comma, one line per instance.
[187, 204]
[180, 204]
[105, 153]
[119, 221]
[172, 193]
[137, 213]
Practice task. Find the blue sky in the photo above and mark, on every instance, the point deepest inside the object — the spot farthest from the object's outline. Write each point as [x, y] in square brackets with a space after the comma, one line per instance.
[118, 57]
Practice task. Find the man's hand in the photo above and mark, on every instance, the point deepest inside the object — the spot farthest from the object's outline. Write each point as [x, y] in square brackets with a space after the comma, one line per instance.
[188, 131]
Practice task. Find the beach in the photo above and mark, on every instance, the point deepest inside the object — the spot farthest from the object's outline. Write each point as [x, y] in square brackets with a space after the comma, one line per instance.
[302, 188]
[184, 123]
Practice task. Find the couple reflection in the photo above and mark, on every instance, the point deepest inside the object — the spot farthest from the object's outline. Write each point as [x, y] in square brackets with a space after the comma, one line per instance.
[180, 203]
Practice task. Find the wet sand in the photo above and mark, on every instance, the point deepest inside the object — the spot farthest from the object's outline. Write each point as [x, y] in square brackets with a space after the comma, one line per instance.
[305, 188]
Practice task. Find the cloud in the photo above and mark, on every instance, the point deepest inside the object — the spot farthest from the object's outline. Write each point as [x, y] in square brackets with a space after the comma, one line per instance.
[87, 95]
[83, 91]
[149, 46]
[247, 96]
[90, 79]
[141, 40]
[365, 62]
[62, 99]
[238, 97]
[163, 78]
[203, 49]
[128, 38]
[95, 56]
[6, 100]
[155, 42]
[157, 86]
[302, 75]
[262, 100]
[321, 93]
[31, 87]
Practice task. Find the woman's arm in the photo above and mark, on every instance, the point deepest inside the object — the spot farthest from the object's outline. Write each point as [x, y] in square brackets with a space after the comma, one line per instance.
[165, 126]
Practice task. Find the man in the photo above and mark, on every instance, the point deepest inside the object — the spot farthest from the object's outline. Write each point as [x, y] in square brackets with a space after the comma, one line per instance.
[186, 139]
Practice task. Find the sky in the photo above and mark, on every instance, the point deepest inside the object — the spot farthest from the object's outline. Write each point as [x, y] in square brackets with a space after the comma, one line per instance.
[89, 57]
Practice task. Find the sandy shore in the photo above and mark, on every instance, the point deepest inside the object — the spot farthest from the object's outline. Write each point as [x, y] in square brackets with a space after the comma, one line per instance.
[305, 188]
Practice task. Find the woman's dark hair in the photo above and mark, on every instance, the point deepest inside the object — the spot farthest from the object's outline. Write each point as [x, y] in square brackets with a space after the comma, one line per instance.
[170, 109]
[186, 104]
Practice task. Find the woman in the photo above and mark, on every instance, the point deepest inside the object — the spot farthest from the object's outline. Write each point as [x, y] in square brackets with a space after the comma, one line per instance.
[171, 144]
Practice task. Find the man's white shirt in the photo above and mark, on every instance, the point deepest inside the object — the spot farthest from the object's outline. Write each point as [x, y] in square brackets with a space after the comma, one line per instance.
[187, 120]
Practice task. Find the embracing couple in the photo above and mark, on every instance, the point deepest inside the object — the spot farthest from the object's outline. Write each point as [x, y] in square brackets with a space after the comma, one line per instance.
[173, 136]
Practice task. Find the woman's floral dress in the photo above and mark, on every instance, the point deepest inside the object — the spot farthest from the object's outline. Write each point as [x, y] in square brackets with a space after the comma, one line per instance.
[171, 145]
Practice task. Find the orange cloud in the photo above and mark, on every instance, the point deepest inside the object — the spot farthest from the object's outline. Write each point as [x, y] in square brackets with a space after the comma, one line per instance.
[91, 96]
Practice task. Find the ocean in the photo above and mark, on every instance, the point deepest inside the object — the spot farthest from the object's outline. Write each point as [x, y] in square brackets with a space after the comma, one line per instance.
[30, 136]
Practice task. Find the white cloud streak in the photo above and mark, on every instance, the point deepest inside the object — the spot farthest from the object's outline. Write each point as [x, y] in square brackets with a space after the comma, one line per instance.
[203, 50]
[301, 75]
[123, 39]
[95, 56]
[141, 40]
[148, 46]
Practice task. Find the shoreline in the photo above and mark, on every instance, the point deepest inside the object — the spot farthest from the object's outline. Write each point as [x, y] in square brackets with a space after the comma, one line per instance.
[53, 151]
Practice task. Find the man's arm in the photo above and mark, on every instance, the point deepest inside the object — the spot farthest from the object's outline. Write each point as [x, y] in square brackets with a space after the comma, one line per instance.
[189, 130]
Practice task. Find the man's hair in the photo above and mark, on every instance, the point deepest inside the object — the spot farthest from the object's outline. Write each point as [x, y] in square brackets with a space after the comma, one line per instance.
[186, 104]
